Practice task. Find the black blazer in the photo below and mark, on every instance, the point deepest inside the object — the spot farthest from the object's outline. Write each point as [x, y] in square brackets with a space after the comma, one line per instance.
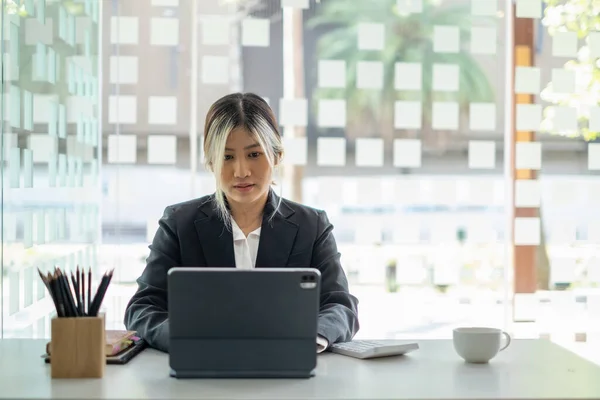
[192, 234]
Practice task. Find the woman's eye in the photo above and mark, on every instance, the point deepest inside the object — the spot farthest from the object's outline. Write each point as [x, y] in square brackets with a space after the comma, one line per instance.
[228, 157]
[255, 154]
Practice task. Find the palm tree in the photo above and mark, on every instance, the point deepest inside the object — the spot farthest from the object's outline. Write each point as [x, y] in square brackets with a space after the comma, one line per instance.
[409, 38]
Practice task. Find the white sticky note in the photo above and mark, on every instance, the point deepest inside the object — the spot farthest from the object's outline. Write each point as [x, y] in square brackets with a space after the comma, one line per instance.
[445, 115]
[563, 80]
[371, 36]
[564, 44]
[122, 149]
[43, 146]
[527, 80]
[408, 76]
[122, 109]
[256, 32]
[124, 30]
[302, 4]
[528, 155]
[482, 154]
[594, 121]
[486, 8]
[594, 44]
[215, 70]
[162, 149]
[165, 3]
[407, 153]
[527, 193]
[594, 156]
[527, 231]
[216, 30]
[162, 110]
[369, 152]
[445, 77]
[293, 112]
[124, 69]
[295, 150]
[164, 31]
[529, 9]
[369, 75]
[407, 115]
[409, 6]
[446, 39]
[332, 113]
[565, 119]
[332, 73]
[484, 40]
[482, 117]
[529, 117]
[331, 152]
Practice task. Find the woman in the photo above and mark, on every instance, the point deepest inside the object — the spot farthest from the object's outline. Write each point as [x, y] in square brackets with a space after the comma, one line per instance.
[244, 224]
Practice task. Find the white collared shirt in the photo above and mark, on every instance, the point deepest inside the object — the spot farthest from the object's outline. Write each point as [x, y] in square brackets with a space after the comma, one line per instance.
[245, 250]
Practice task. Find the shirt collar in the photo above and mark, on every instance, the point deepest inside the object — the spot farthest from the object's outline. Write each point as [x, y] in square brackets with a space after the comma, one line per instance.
[239, 235]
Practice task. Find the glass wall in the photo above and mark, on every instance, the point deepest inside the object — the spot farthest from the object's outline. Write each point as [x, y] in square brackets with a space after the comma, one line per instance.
[452, 205]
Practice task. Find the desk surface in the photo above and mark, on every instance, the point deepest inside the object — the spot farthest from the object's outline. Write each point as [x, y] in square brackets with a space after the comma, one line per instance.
[528, 369]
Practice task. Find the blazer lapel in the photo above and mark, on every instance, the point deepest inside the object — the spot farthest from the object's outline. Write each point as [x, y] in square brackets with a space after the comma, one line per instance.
[216, 240]
[277, 236]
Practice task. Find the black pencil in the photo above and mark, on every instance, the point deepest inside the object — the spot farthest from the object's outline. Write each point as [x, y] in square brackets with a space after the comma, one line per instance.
[89, 288]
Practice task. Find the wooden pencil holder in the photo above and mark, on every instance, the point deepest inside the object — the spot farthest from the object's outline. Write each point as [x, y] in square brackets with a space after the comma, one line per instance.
[77, 347]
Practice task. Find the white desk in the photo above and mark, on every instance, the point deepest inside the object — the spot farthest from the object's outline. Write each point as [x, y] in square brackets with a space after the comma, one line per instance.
[528, 369]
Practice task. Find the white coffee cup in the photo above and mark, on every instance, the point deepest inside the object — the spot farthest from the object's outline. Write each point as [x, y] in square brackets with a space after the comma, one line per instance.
[479, 345]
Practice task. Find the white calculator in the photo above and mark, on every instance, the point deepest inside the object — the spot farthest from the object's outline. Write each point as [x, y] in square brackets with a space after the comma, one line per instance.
[364, 349]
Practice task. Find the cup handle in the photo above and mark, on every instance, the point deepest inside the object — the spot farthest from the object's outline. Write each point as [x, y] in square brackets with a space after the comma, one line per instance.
[507, 337]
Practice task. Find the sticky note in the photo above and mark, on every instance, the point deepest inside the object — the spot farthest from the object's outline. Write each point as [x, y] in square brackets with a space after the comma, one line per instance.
[409, 6]
[408, 76]
[293, 112]
[527, 231]
[43, 147]
[295, 150]
[407, 115]
[215, 70]
[594, 156]
[216, 30]
[529, 9]
[162, 149]
[369, 152]
[482, 154]
[407, 153]
[164, 31]
[594, 121]
[331, 152]
[302, 4]
[528, 155]
[123, 69]
[332, 113]
[529, 117]
[332, 73]
[369, 75]
[122, 109]
[445, 77]
[486, 8]
[371, 36]
[527, 80]
[445, 115]
[446, 39]
[484, 40]
[122, 149]
[162, 110]
[482, 117]
[564, 44]
[563, 80]
[527, 193]
[565, 119]
[594, 44]
[35, 32]
[124, 30]
[256, 32]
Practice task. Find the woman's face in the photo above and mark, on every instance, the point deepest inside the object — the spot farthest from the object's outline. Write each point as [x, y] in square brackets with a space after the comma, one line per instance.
[246, 174]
